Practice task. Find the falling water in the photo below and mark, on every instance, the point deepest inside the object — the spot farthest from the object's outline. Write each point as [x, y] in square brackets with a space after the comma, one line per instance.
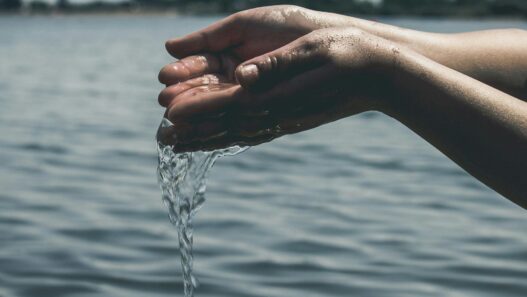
[182, 178]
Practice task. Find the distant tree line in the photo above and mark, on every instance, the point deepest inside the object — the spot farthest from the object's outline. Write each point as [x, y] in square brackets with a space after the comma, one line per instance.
[41, 6]
[386, 7]
[455, 7]
[10, 5]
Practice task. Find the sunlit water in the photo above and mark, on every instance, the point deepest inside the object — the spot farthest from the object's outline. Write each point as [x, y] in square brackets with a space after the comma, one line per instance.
[361, 207]
[183, 181]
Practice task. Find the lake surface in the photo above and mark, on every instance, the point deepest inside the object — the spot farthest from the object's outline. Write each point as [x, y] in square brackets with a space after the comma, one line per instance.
[361, 207]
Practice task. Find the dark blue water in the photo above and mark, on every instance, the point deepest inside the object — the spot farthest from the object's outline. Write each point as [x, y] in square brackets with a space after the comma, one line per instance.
[361, 207]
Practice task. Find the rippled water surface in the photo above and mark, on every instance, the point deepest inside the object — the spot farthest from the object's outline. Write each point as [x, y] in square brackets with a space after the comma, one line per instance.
[361, 207]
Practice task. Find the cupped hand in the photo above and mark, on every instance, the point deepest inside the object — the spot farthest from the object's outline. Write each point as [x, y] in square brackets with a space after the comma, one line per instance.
[318, 78]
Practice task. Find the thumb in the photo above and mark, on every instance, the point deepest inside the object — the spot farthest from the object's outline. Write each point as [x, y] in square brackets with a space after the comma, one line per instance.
[265, 71]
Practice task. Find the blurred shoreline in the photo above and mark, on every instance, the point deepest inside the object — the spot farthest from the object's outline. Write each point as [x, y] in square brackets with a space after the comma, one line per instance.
[448, 9]
[176, 13]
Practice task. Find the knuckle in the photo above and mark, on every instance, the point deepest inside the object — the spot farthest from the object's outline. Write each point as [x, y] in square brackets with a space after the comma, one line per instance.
[311, 40]
[295, 7]
[312, 43]
[237, 17]
[314, 46]
[237, 20]
[273, 62]
[206, 39]
[354, 31]
[269, 63]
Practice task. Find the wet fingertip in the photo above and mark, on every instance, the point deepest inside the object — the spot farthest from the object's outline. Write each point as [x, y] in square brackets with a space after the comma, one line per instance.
[165, 96]
[168, 74]
[160, 100]
[169, 46]
[160, 76]
[175, 49]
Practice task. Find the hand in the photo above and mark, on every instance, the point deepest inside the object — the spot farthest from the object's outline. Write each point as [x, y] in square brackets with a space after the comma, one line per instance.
[239, 37]
[318, 78]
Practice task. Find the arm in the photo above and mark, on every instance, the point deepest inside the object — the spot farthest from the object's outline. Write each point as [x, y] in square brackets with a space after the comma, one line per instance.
[332, 73]
[482, 129]
[495, 57]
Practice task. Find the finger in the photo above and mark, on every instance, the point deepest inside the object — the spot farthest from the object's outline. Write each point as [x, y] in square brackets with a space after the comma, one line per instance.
[203, 100]
[265, 71]
[216, 37]
[198, 102]
[188, 68]
[169, 93]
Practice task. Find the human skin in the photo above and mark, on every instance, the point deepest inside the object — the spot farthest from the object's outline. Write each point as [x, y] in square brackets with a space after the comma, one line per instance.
[495, 57]
[309, 78]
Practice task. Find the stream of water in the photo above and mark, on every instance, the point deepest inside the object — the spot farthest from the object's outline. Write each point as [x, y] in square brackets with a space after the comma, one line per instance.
[182, 178]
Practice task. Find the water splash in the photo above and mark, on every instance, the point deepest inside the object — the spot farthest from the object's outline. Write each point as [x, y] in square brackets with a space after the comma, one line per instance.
[182, 178]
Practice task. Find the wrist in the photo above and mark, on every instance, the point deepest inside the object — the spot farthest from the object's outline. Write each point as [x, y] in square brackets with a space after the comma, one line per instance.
[431, 45]
[401, 70]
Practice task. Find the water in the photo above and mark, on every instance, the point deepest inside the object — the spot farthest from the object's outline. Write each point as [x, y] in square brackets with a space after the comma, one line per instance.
[361, 207]
[183, 181]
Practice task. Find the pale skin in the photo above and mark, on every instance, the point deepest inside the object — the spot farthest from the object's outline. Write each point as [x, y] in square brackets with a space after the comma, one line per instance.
[271, 71]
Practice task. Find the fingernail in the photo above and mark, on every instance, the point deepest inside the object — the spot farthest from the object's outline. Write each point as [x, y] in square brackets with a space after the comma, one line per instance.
[249, 74]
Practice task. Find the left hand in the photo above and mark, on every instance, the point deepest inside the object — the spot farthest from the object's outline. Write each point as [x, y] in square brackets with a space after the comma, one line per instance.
[318, 78]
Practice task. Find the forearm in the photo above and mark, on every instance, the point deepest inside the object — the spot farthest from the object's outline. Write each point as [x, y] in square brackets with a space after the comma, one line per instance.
[481, 128]
[495, 57]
